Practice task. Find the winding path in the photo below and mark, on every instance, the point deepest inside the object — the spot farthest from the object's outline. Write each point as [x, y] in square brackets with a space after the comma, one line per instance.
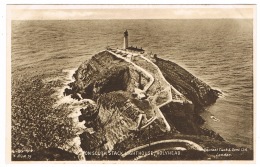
[147, 86]
[162, 144]
[161, 75]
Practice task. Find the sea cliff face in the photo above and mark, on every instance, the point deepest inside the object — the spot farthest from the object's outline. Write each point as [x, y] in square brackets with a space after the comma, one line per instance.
[138, 101]
[193, 88]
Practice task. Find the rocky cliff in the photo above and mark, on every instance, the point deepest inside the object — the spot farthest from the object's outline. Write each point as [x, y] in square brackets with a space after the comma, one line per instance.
[139, 100]
[193, 88]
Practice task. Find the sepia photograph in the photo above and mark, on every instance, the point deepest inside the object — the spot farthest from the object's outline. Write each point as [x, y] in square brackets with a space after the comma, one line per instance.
[125, 83]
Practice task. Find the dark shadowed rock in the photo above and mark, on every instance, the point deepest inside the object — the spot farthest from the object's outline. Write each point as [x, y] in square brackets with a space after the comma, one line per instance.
[75, 96]
[67, 92]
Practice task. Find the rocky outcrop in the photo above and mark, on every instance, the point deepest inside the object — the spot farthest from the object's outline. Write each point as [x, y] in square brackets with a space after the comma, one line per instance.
[182, 117]
[103, 73]
[120, 120]
[191, 87]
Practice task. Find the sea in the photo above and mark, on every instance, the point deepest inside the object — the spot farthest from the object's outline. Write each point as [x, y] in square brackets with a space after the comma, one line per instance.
[217, 51]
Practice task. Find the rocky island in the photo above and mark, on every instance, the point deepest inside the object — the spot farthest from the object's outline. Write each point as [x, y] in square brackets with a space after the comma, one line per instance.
[137, 106]
[122, 104]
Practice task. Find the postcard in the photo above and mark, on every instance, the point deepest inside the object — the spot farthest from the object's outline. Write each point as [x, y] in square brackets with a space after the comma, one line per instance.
[117, 83]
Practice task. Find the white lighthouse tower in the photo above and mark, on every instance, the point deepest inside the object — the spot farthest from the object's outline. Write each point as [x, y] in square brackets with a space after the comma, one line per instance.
[125, 40]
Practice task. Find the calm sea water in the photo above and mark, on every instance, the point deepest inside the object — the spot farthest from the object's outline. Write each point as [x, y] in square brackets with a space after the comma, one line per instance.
[220, 52]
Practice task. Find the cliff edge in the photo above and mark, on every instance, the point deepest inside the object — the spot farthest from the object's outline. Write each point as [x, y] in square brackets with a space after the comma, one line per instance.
[139, 103]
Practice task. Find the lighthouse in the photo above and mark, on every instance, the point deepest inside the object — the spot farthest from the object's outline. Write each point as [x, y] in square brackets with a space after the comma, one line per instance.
[125, 40]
